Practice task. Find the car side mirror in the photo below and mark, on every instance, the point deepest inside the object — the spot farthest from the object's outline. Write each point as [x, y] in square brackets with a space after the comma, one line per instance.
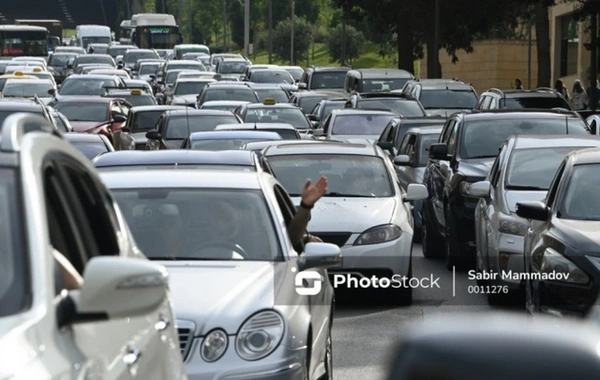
[314, 124]
[533, 210]
[152, 76]
[52, 91]
[117, 287]
[70, 66]
[415, 192]
[153, 135]
[321, 255]
[481, 189]
[119, 119]
[319, 132]
[401, 160]
[312, 117]
[119, 66]
[302, 86]
[438, 151]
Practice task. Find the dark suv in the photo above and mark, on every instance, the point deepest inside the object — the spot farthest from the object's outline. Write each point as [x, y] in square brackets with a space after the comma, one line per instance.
[442, 97]
[541, 98]
[465, 152]
[323, 78]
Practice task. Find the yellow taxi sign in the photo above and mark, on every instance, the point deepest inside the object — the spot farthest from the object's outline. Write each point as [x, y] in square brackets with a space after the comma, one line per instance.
[136, 92]
[18, 73]
[269, 102]
[37, 70]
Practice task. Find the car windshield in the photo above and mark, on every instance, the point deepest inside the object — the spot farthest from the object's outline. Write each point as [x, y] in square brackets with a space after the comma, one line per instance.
[328, 80]
[293, 116]
[232, 67]
[185, 66]
[117, 51]
[200, 224]
[376, 85]
[145, 121]
[83, 111]
[278, 94]
[238, 94]
[133, 56]
[139, 100]
[180, 127]
[347, 175]
[581, 201]
[91, 150]
[406, 108]
[482, 139]
[448, 99]
[92, 58]
[85, 86]
[296, 73]
[189, 88]
[426, 142]
[542, 102]
[221, 144]
[26, 89]
[360, 124]
[271, 76]
[308, 103]
[330, 106]
[60, 60]
[219, 107]
[148, 69]
[534, 169]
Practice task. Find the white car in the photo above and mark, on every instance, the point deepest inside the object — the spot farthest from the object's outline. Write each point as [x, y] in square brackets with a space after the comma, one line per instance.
[114, 323]
[365, 211]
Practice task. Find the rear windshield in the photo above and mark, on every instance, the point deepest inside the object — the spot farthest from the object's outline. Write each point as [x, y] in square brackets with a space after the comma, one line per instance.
[448, 99]
[239, 94]
[360, 124]
[91, 150]
[181, 127]
[531, 102]
[328, 80]
[406, 108]
[145, 121]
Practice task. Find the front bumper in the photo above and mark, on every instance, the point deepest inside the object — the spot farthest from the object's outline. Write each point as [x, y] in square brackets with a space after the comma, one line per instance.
[284, 363]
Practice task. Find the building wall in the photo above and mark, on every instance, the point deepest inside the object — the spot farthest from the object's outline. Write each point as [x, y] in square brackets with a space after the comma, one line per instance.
[493, 63]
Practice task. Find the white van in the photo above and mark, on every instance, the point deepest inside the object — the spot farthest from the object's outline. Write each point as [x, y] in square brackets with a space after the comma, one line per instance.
[92, 34]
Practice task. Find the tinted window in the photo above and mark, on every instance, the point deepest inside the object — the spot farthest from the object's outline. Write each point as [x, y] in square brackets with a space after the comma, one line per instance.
[295, 73]
[534, 169]
[581, 201]
[91, 58]
[293, 116]
[185, 66]
[484, 138]
[448, 99]
[405, 126]
[406, 108]
[139, 100]
[330, 106]
[133, 56]
[241, 94]
[60, 59]
[189, 88]
[278, 94]
[531, 102]
[200, 224]
[350, 175]
[145, 121]
[286, 134]
[375, 85]
[91, 150]
[360, 124]
[328, 80]
[14, 278]
[426, 141]
[85, 41]
[26, 90]
[271, 76]
[308, 103]
[83, 111]
[233, 67]
[148, 69]
[182, 127]
[85, 86]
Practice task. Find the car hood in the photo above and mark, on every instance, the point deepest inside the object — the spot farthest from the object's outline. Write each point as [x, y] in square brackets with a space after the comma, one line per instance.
[337, 214]
[514, 196]
[184, 99]
[583, 234]
[84, 126]
[476, 167]
[360, 139]
[222, 294]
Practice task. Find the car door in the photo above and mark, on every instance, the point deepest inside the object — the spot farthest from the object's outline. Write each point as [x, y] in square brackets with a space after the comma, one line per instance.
[483, 217]
[125, 141]
[492, 229]
[439, 172]
[384, 138]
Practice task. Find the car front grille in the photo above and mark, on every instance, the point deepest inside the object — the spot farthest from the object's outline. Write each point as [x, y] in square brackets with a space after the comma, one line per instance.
[185, 331]
[338, 238]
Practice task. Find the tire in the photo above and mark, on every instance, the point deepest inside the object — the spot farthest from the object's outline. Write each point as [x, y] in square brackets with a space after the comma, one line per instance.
[432, 244]
[452, 246]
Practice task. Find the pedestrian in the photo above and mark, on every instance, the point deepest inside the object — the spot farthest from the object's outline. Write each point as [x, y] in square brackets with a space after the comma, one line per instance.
[348, 104]
[560, 87]
[518, 84]
[579, 98]
[591, 91]
[90, 49]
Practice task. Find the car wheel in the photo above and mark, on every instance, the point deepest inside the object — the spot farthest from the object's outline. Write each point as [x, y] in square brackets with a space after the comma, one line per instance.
[451, 241]
[328, 360]
[431, 244]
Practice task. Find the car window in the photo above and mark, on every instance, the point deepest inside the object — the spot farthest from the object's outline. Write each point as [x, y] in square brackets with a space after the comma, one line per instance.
[239, 94]
[83, 111]
[447, 130]
[580, 201]
[425, 143]
[448, 99]
[327, 80]
[406, 108]
[452, 140]
[533, 169]
[553, 190]
[535, 102]
[293, 116]
[279, 94]
[181, 127]
[91, 150]
[360, 124]
[84, 86]
[386, 132]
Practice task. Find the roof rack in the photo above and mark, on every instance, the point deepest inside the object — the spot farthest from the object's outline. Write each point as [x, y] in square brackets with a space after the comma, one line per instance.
[18, 124]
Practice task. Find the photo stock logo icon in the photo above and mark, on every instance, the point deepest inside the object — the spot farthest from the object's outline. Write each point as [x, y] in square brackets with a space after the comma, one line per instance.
[302, 283]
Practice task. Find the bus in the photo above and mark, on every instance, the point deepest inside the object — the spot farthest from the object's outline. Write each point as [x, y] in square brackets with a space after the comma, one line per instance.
[155, 31]
[23, 40]
[55, 28]
[125, 31]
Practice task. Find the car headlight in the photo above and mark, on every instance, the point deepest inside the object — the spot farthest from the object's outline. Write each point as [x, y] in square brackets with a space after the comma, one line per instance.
[379, 234]
[260, 335]
[555, 263]
[214, 345]
[509, 224]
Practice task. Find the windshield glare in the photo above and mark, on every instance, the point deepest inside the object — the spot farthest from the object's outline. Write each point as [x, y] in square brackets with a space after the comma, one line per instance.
[359, 176]
[291, 116]
[376, 85]
[27, 90]
[239, 94]
[581, 201]
[482, 139]
[232, 67]
[84, 86]
[448, 99]
[406, 108]
[83, 111]
[189, 88]
[180, 127]
[200, 224]
[360, 124]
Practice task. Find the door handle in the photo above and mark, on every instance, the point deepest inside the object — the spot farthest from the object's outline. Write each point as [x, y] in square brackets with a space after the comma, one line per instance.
[132, 357]
[162, 324]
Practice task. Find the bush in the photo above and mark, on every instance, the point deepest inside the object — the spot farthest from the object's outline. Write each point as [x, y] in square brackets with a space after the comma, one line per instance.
[303, 31]
[355, 41]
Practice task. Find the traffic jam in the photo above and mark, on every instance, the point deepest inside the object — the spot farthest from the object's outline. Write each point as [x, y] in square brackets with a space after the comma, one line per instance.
[168, 212]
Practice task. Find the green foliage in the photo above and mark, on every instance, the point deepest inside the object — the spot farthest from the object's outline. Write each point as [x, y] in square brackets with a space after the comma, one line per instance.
[302, 38]
[355, 41]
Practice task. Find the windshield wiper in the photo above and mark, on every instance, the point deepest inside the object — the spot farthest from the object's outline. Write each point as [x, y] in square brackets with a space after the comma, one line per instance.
[342, 195]
[530, 188]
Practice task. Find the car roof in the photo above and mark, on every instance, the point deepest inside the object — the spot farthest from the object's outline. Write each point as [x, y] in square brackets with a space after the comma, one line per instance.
[272, 86]
[195, 80]
[585, 156]
[503, 115]
[233, 134]
[84, 137]
[360, 111]
[549, 141]
[163, 108]
[276, 105]
[141, 50]
[184, 62]
[249, 126]
[329, 68]
[87, 99]
[426, 130]
[95, 55]
[198, 112]
[382, 73]
[13, 76]
[228, 86]
[531, 94]
[29, 81]
[318, 93]
[175, 157]
[180, 179]
[333, 148]
[91, 76]
[18, 104]
[451, 85]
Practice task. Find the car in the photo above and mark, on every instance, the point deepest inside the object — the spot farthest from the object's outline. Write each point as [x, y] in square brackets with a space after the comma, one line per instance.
[226, 140]
[9, 106]
[222, 105]
[131, 57]
[19, 75]
[404, 104]
[91, 145]
[88, 68]
[69, 49]
[410, 163]
[352, 124]
[173, 127]
[375, 80]
[139, 84]
[57, 64]
[365, 212]
[393, 135]
[103, 59]
[78, 86]
[216, 58]
[286, 131]
[295, 71]
[522, 171]
[540, 98]
[466, 150]
[180, 65]
[269, 111]
[44, 75]
[442, 96]
[135, 96]
[187, 91]
[17, 88]
[231, 66]
[248, 70]
[95, 115]
[274, 76]
[86, 232]
[323, 78]
[175, 159]
[23, 67]
[235, 235]
[170, 78]
[307, 100]
[119, 50]
[271, 91]
[239, 92]
[140, 120]
[147, 69]
[322, 110]
[202, 57]
[106, 71]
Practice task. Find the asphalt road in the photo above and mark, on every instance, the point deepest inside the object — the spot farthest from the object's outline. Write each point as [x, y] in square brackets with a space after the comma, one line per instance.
[364, 332]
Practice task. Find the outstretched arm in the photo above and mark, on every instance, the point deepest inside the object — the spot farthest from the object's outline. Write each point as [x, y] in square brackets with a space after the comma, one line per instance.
[310, 195]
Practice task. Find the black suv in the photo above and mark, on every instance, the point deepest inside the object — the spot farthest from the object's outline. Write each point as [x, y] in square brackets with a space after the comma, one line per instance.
[442, 97]
[323, 78]
[541, 98]
[465, 152]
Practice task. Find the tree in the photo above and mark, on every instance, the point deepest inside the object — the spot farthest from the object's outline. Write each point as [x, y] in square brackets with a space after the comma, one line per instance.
[302, 38]
[354, 43]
